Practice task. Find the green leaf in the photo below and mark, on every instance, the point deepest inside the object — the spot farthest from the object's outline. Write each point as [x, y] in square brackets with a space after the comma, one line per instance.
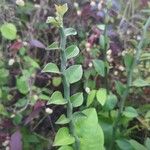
[110, 102]
[52, 21]
[91, 97]
[77, 99]
[62, 120]
[43, 97]
[70, 31]
[56, 81]
[4, 73]
[23, 85]
[52, 68]
[101, 96]
[89, 131]
[78, 114]
[53, 46]
[124, 144]
[147, 143]
[101, 26]
[147, 115]
[65, 148]
[8, 31]
[130, 112]
[31, 62]
[57, 99]
[74, 73]
[61, 9]
[128, 60]
[72, 51]
[102, 41]
[120, 88]
[63, 137]
[137, 146]
[21, 102]
[140, 83]
[2, 109]
[145, 56]
[17, 119]
[99, 67]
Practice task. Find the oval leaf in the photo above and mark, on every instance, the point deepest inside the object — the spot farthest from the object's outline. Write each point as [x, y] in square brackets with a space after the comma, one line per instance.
[52, 68]
[91, 97]
[128, 60]
[89, 139]
[124, 144]
[120, 87]
[63, 137]
[53, 46]
[57, 99]
[99, 67]
[77, 99]
[130, 112]
[62, 120]
[74, 73]
[137, 146]
[70, 31]
[72, 51]
[8, 31]
[140, 83]
[110, 102]
[101, 96]
[23, 85]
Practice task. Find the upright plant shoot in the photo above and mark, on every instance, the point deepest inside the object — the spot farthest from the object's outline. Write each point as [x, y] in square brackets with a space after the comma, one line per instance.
[70, 75]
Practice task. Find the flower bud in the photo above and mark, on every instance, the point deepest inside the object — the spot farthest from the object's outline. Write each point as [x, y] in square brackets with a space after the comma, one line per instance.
[37, 6]
[116, 73]
[87, 89]
[25, 43]
[11, 62]
[75, 4]
[93, 3]
[35, 97]
[90, 65]
[20, 2]
[12, 116]
[138, 37]
[121, 68]
[87, 45]
[79, 12]
[109, 52]
[5, 143]
[99, 6]
[48, 111]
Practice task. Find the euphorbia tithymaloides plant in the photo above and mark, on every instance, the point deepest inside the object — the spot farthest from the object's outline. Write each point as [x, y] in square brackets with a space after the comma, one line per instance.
[84, 132]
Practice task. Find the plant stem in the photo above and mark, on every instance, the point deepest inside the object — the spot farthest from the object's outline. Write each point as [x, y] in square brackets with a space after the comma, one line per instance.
[66, 87]
[105, 61]
[129, 82]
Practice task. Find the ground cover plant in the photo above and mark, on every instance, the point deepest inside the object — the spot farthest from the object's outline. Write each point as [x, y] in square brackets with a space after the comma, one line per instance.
[75, 75]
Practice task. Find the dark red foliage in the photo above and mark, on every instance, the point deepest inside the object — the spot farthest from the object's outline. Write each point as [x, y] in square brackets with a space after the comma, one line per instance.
[144, 3]
[15, 47]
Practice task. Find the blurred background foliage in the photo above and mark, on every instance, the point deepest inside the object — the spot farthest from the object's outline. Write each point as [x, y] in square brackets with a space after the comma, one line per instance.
[24, 90]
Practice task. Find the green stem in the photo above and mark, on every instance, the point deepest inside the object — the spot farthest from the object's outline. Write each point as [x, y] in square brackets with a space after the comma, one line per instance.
[66, 87]
[105, 60]
[129, 82]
